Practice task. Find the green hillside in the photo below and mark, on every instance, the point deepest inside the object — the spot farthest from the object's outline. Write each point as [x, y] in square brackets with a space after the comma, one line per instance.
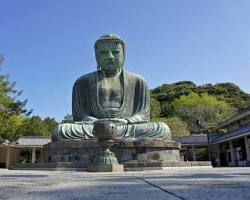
[199, 107]
[228, 92]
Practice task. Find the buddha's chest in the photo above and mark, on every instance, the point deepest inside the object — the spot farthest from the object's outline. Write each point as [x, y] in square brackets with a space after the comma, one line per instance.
[110, 92]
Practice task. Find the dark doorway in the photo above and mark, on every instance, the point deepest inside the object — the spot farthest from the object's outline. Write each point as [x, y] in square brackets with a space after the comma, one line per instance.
[2, 165]
[25, 157]
[223, 160]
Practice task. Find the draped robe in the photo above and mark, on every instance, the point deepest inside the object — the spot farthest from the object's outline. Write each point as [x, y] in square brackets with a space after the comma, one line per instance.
[135, 108]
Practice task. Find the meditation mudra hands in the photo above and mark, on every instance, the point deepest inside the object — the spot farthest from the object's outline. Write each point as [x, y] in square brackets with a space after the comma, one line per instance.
[93, 120]
[117, 121]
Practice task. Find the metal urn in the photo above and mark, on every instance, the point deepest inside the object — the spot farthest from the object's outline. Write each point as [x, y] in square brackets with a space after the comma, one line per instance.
[105, 134]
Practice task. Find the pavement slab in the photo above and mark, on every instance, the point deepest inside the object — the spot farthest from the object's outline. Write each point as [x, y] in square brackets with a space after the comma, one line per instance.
[172, 184]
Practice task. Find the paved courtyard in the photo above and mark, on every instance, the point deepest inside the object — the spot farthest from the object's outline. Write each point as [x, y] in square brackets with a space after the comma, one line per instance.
[172, 184]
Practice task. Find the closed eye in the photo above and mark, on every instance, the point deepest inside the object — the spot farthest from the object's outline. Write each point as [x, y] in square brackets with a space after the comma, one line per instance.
[103, 52]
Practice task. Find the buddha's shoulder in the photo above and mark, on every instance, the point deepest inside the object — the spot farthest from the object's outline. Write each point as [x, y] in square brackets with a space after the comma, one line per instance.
[86, 78]
[135, 76]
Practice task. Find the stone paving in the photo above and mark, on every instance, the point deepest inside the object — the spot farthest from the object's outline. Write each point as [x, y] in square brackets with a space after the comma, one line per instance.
[172, 184]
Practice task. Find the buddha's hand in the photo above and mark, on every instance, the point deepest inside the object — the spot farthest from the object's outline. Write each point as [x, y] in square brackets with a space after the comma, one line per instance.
[117, 121]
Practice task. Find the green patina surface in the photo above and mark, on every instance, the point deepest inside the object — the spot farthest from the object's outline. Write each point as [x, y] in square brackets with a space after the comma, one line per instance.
[111, 94]
[105, 157]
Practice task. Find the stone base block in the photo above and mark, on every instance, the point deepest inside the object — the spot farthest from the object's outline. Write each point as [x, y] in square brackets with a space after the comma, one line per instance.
[105, 168]
[125, 150]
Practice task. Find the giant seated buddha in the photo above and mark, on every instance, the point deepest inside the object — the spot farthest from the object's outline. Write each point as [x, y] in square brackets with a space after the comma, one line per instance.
[111, 94]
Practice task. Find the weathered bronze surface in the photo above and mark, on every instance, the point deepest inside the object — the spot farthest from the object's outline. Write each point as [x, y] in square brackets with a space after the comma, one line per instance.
[105, 131]
[111, 94]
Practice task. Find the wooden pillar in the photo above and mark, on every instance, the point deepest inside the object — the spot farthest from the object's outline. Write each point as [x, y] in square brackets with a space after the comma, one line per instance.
[209, 150]
[232, 153]
[194, 153]
[41, 155]
[7, 163]
[218, 151]
[247, 148]
[33, 160]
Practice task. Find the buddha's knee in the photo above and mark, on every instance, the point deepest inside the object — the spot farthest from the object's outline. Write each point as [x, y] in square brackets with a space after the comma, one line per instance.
[66, 131]
[153, 130]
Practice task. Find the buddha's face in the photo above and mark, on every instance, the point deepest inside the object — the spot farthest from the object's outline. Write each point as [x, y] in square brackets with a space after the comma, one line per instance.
[109, 57]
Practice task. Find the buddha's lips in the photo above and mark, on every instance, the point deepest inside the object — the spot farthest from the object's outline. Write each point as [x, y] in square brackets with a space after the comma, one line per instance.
[111, 66]
[109, 63]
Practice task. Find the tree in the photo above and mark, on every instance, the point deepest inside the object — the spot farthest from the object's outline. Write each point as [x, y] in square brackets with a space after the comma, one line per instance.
[177, 126]
[33, 126]
[68, 119]
[155, 109]
[228, 92]
[50, 124]
[12, 109]
[201, 112]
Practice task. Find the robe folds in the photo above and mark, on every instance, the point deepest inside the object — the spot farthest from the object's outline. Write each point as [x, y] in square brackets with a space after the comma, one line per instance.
[135, 108]
[85, 99]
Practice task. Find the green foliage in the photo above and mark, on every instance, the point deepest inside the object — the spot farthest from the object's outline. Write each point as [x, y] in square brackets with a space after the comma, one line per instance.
[228, 92]
[14, 120]
[35, 126]
[207, 104]
[68, 119]
[50, 124]
[201, 112]
[169, 92]
[155, 108]
[176, 125]
[12, 110]
[8, 126]
[232, 94]
[202, 154]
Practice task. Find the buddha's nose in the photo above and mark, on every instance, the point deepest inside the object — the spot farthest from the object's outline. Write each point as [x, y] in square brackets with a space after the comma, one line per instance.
[110, 56]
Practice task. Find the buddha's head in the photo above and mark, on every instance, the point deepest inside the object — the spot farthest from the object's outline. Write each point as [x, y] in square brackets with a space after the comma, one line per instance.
[110, 54]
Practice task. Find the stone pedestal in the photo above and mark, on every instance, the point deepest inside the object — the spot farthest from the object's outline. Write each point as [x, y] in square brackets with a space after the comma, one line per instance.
[126, 150]
[132, 154]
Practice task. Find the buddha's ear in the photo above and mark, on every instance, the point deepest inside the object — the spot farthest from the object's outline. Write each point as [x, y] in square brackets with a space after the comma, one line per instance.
[97, 59]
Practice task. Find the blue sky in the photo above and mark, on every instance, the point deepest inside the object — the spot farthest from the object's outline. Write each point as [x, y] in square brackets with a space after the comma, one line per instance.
[48, 44]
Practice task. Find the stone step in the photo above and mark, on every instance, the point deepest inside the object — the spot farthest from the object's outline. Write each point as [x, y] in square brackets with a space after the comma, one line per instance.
[128, 166]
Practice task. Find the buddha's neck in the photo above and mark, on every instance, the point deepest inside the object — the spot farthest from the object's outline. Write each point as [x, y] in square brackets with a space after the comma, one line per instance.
[108, 74]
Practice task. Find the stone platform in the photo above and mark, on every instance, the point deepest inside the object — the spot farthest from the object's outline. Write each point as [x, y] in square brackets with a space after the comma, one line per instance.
[133, 154]
[126, 150]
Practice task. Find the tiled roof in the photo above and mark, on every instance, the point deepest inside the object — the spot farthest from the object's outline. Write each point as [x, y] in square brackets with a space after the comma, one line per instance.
[32, 141]
[197, 139]
[192, 139]
[233, 133]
